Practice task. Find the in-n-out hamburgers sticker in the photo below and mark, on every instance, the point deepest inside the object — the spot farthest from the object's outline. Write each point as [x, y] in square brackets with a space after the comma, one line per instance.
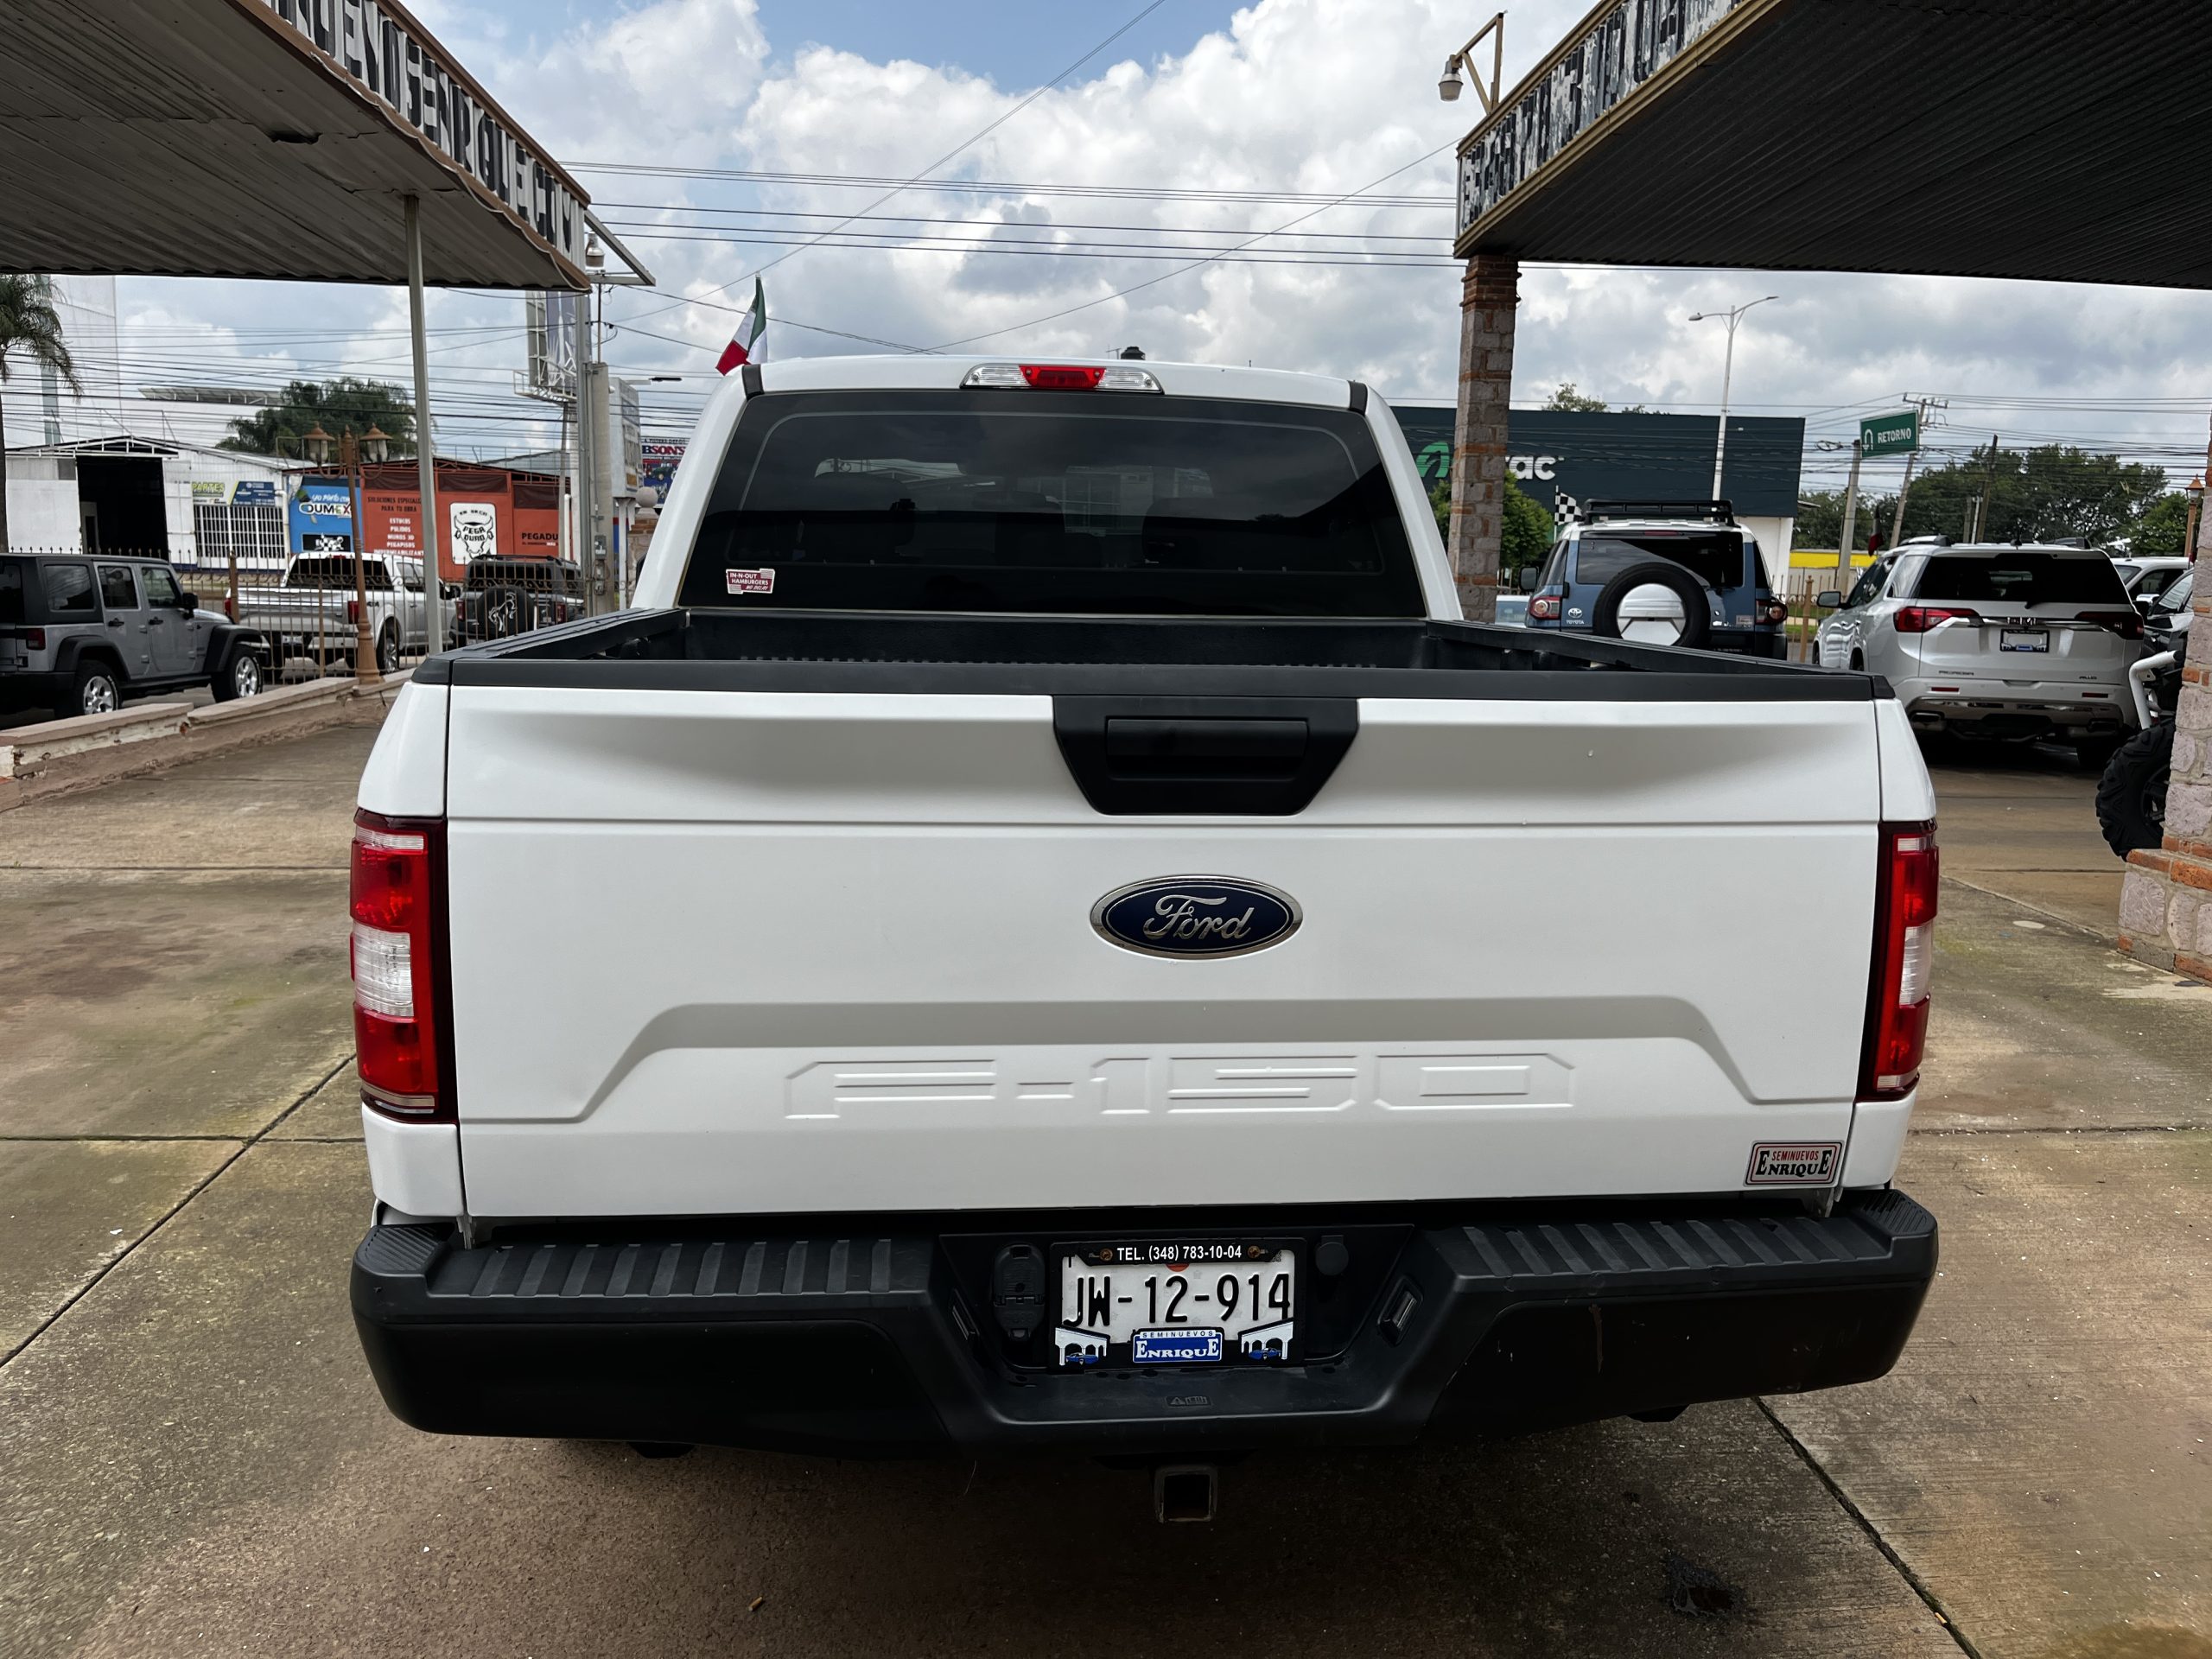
[750, 582]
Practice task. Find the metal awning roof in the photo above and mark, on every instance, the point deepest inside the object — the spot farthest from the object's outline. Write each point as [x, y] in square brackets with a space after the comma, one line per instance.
[2028, 138]
[267, 138]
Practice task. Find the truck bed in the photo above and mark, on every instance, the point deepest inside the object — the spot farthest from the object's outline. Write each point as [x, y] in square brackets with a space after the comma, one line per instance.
[799, 651]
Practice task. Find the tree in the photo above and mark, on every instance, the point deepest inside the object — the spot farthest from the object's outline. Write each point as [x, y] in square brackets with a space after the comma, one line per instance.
[2036, 495]
[332, 404]
[28, 324]
[2164, 527]
[1567, 398]
[1525, 535]
[1820, 518]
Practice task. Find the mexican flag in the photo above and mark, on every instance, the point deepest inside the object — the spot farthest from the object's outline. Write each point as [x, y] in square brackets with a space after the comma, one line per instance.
[747, 340]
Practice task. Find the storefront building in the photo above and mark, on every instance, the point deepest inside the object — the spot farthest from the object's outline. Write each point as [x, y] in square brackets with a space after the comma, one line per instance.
[482, 511]
[1564, 459]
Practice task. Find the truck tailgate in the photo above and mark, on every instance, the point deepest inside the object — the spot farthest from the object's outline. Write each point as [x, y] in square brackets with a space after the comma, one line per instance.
[774, 952]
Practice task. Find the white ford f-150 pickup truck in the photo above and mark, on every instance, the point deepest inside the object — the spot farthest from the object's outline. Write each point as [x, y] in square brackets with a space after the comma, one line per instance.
[1044, 930]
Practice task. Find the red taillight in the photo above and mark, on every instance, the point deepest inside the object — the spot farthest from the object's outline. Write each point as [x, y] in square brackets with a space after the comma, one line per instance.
[34, 638]
[1904, 948]
[2129, 624]
[1774, 610]
[1544, 608]
[1060, 376]
[398, 956]
[352, 610]
[1918, 618]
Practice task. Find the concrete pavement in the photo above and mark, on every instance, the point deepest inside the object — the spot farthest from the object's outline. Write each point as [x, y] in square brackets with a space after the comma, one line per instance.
[193, 1460]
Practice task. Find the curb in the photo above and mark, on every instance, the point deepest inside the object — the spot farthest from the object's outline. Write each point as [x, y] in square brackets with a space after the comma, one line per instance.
[59, 757]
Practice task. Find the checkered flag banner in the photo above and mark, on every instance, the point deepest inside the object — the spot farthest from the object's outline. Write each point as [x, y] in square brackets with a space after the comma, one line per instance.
[1565, 511]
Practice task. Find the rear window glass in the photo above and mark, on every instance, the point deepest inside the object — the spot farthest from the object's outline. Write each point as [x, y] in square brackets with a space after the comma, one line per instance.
[11, 590]
[1084, 502]
[1718, 561]
[69, 590]
[2021, 579]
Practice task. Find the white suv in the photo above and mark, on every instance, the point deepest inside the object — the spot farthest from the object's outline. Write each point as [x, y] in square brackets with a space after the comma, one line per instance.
[1998, 642]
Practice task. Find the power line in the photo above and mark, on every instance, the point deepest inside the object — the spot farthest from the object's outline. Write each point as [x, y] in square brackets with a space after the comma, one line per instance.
[992, 187]
[991, 223]
[1035, 249]
[1142, 13]
[1195, 264]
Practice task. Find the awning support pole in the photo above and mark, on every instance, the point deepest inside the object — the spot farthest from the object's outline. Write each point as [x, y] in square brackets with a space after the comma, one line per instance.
[426, 463]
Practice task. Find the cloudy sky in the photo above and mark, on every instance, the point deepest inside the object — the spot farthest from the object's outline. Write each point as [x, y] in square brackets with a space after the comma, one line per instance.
[1200, 125]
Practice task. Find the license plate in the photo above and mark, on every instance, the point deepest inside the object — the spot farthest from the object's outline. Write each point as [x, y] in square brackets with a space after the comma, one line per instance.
[2024, 640]
[1178, 1302]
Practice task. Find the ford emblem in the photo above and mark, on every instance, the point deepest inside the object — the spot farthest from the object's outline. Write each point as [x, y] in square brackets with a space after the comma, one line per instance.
[1196, 915]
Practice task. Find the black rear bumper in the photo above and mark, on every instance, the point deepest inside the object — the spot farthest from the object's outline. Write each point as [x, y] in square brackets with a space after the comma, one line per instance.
[1514, 1319]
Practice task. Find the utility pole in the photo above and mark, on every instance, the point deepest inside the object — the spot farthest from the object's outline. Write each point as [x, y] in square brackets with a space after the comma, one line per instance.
[365, 657]
[1896, 526]
[426, 455]
[586, 469]
[1850, 518]
[1988, 494]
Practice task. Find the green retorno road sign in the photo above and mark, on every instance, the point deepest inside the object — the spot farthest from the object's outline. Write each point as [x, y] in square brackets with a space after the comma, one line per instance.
[1889, 435]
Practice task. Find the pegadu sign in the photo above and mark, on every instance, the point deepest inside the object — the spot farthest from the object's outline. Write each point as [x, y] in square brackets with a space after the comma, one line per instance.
[383, 50]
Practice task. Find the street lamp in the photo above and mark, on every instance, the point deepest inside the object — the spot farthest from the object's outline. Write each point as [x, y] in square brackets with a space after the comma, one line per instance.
[365, 661]
[1449, 88]
[318, 443]
[1727, 375]
[375, 444]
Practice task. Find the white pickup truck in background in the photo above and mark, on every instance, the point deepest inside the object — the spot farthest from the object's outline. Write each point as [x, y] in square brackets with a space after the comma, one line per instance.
[311, 612]
[1043, 929]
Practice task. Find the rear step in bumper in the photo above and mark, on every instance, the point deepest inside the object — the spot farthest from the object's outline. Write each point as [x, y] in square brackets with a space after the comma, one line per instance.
[851, 1345]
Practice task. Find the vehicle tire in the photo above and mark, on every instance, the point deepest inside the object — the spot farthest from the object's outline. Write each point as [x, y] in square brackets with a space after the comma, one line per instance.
[98, 689]
[2132, 795]
[1696, 603]
[240, 677]
[388, 648]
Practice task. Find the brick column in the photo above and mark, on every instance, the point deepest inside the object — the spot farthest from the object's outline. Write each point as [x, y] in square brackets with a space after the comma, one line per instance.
[1488, 297]
[2165, 907]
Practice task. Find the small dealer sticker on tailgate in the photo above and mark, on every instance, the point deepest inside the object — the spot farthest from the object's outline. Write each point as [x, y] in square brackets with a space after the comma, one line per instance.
[1793, 1163]
[750, 582]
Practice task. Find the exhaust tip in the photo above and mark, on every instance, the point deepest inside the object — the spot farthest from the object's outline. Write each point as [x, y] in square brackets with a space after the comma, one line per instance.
[1184, 1492]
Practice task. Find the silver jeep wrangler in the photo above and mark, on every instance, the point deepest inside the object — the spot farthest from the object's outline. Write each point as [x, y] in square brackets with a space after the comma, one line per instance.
[78, 634]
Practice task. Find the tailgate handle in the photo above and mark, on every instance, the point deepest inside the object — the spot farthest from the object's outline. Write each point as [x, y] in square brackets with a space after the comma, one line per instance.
[1202, 748]
[1256, 756]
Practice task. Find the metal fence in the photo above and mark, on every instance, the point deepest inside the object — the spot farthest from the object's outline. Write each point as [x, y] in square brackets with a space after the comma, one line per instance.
[507, 598]
[328, 651]
[1801, 589]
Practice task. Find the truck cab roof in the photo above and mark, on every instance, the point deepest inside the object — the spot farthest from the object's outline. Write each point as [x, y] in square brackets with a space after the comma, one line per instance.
[885, 373]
